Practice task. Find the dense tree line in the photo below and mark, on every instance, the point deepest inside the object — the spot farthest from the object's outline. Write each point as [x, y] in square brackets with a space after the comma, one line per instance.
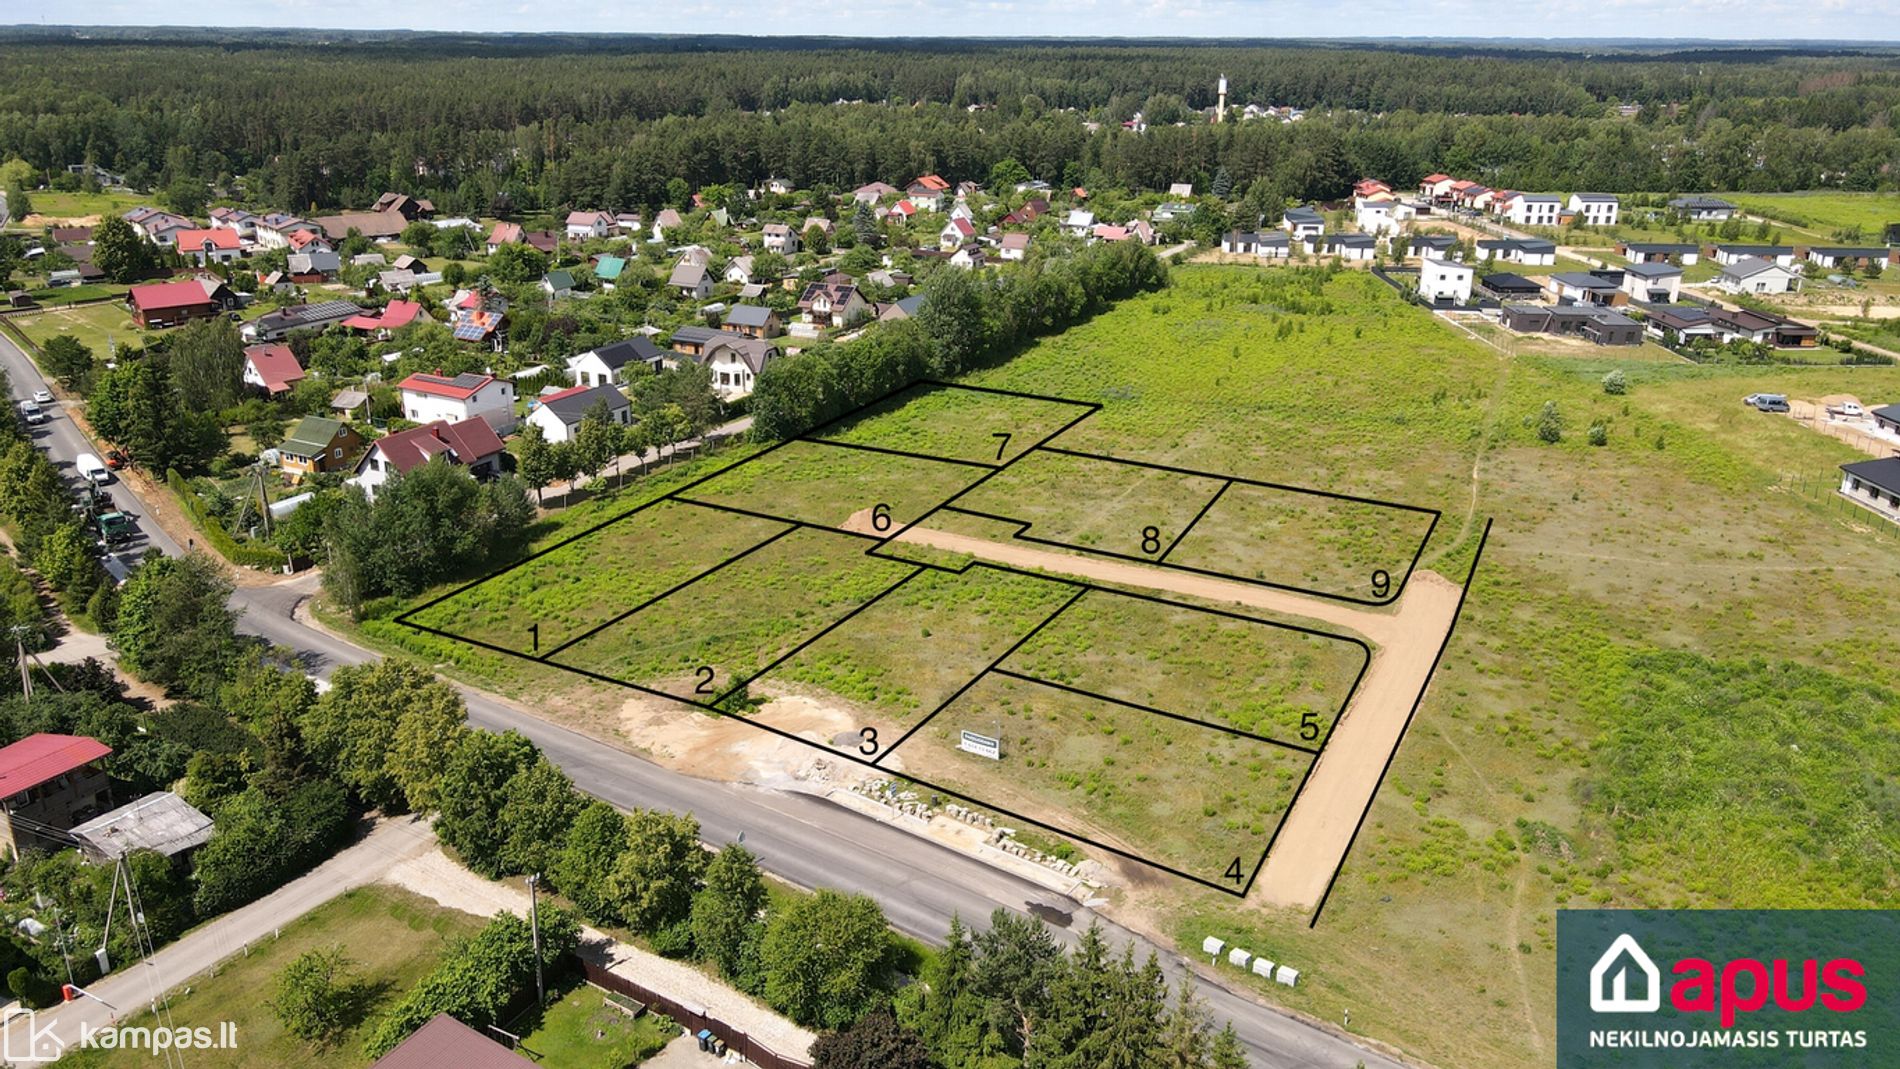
[528, 126]
[966, 320]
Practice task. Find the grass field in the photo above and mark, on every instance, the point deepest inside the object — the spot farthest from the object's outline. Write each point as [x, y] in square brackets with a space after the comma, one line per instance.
[51, 205]
[1657, 622]
[393, 939]
[1095, 504]
[956, 424]
[582, 1030]
[822, 484]
[1825, 212]
[98, 326]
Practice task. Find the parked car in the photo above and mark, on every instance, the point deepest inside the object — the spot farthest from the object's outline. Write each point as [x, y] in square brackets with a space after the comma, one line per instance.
[92, 469]
[1772, 402]
[44, 397]
[1846, 410]
[33, 413]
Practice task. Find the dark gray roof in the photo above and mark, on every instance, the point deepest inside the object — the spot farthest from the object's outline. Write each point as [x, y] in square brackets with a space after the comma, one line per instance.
[1888, 412]
[1701, 202]
[1303, 215]
[1504, 280]
[1596, 198]
[1583, 280]
[1849, 252]
[748, 315]
[571, 405]
[1434, 241]
[1884, 473]
[616, 355]
[1756, 250]
[1660, 246]
[1652, 270]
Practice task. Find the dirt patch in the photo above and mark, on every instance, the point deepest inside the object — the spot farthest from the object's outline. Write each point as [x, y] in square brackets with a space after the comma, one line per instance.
[37, 221]
[722, 748]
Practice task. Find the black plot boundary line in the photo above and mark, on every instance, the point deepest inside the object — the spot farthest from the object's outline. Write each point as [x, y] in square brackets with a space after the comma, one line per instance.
[664, 594]
[1457, 614]
[404, 617]
[828, 629]
[737, 511]
[1163, 558]
[975, 679]
[1138, 707]
[896, 452]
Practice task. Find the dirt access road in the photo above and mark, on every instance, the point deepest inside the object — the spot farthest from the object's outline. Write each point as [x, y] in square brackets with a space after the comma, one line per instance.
[1407, 635]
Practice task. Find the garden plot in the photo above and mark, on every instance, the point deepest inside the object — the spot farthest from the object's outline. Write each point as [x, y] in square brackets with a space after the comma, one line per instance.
[1093, 504]
[826, 485]
[958, 423]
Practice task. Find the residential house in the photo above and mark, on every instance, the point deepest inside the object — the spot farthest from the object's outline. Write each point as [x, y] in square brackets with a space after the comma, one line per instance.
[691, 280]
[558, 283]
[559, 414]
[1032, 209]
[1181, 189]
[1269, 245]
[628, 223]
[1734, 254]
[317, 264]
[902, 211]
[739, 270]
[1587, 287]
[1653, 252]
[1757, 275]
[969, 256]
[1531, 252]
[825, 226]
[781, 187]
[157, 227]
[430, 398]
[608, 269]
[271, 368]
[1703, 209]
[1169, 211]
[1761, 328]
[872, 192]
[1595, 209]
[1013, 246]
[589, 226]
[1887, 418]
[780, 238]
[1477, 198]
[445, 1041]
[503, 234]
[1855, 258]
[753, 321]
[207, 247]
[1369, 187]
[962, 210]
[833, 304]
[410, 208]
[1434, 246]
[902, 308]
[1599, 325]
[546, 242]
[317, 444]
[273, 230]
[1351, 248]
[1079, 222]
[1109, 232]
[1874, 485]
[955, 234]
[1435, 186]
[470, 443]
[1444, 282]
[1680, 324]
[889, 278]
[306, 240]
[160, 822]
[734, 359]
[377, 226]
[928, 193]
[167, 304]
[608, 364]
[49, 781]
[1532, 209]
[1303, 224]
[1380, 216]
[236, 220]
[667, 220]
[1653, 283]
[278, 325]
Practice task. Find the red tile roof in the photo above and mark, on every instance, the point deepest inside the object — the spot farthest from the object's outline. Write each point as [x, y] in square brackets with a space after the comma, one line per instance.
[932, 183]
[275, 364]
[447, 1041]
[505, 234]
[302, 238]
[38, 758]
[163, 296]
[394, 316]
[217, 238]
[467, 442]
[460, 388]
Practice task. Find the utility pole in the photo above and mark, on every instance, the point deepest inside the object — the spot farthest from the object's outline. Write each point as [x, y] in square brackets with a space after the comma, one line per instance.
[19, 651]
[534, 923]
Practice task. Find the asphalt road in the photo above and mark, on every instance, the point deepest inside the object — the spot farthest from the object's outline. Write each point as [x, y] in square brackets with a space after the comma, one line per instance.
[919, 884]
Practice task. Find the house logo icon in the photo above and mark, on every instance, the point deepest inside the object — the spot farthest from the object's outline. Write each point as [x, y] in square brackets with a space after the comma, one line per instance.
[1610, 979]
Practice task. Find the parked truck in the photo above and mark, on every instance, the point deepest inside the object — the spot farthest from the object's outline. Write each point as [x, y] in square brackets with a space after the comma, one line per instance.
[92, 469]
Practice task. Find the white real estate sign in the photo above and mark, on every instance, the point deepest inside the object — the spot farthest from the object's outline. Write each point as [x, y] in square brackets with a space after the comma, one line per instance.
[981, 745]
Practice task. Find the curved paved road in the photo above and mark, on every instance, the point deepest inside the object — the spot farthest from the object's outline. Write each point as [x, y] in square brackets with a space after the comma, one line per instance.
[919, 883]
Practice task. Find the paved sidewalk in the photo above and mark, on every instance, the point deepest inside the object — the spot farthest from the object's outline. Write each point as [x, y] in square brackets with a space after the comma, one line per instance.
[133, 989]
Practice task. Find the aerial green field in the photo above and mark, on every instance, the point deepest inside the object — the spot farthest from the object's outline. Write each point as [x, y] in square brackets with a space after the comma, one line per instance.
[53, 205]
[1657, 623]
[826, 485]
[98, 326]
[1094, 504]
[1825, 212]
[956, 424]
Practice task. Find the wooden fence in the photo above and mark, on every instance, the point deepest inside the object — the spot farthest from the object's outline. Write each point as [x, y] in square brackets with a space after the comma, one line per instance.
[692, 1018]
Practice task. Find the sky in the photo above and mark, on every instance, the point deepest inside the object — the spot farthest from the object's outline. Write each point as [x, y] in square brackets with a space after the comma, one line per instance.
[1764, 20]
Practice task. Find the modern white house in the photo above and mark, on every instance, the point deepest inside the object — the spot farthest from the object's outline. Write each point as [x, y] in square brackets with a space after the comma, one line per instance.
[1704, 209]
[1303, 224]
[559, 414]
[1445, 281]
[1533, 209]
[431, 398]
[1272, 245]
[1382, 216]
[1594, 209]
[1656, 283]
[780, 238]
[608, 364]
[1078, 222]
[586, 226]
[1756, 275]
[1734, 254]
[1874, 485]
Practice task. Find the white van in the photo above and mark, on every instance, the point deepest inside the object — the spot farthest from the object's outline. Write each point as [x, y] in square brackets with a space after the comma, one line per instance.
[93, 469]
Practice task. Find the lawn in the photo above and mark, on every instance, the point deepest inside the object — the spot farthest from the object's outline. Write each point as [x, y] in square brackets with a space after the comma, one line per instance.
[957, 424]
[392, 937]
[584, 1029]
[826, 485]
[51, 205]
[1823, 213]
[98, 326]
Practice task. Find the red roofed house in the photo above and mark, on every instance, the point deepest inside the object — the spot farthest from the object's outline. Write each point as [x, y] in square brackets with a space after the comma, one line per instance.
[167, 304]
[928, 192]
[51, 780]
[308, 240]
[394, 316]
[272, 368]
[207, 247]
[428, 398]
[471, 443]
[955, 234]
[1434, 185]
[903, 209]
[447, 1041]
[504, 234]
[1366, 187]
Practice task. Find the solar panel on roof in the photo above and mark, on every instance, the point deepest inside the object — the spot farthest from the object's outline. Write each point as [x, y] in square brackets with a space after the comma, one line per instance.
[469, 331]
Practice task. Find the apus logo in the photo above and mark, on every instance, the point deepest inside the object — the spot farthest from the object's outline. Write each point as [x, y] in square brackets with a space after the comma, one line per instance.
[1614, 966]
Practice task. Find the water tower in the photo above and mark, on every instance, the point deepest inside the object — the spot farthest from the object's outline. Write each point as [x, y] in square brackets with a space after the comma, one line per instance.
[1220, 109]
